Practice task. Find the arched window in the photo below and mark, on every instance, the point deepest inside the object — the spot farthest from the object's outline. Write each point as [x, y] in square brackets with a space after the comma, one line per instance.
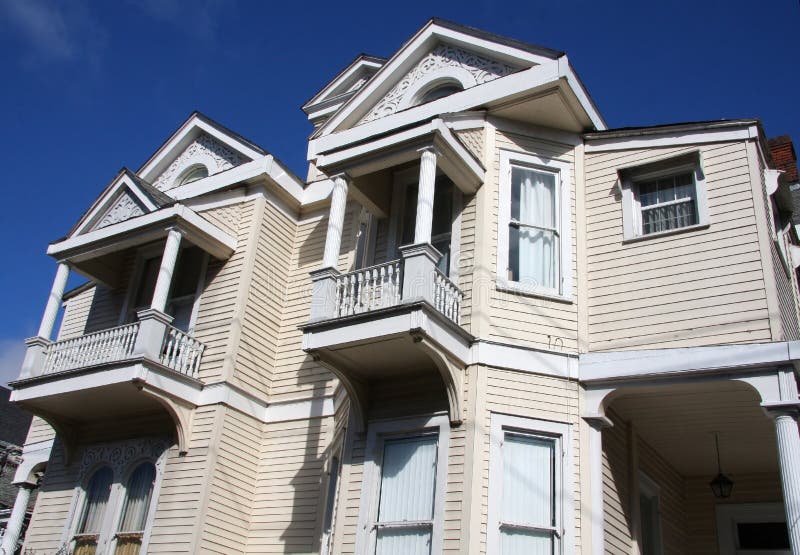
[135, 508]
[90, 523]
[438, 91]
[192, 173]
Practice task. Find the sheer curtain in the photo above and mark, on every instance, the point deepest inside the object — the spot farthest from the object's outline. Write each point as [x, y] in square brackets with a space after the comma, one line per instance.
[94, 509]
[138, 493]
[408, 482]
[528, 500]
[533, 236]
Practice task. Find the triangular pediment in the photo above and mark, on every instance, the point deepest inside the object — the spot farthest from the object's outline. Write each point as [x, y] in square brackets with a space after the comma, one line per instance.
[125, 198]
[199, 148]
[441, 53]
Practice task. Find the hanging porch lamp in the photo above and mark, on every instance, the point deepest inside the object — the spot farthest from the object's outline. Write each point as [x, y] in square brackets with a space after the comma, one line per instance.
[722, 486]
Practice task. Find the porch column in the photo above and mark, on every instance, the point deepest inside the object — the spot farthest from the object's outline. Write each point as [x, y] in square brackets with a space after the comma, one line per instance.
[333, 239]
[789, 463]
[54, 301]
[597, 423]
[427, 186]
[164, 280]
[16, 519]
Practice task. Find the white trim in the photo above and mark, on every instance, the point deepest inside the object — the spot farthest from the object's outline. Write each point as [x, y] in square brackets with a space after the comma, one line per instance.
[118, 187]
[562, 170]
[524, 359]
[370, 486]
[730, 514]
[648, 362]
[670, 137]
[561, 432]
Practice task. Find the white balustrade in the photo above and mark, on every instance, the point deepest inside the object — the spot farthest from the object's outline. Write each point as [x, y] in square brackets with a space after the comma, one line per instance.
[181, 352]
[369, 289]
[446, 297]
[109, 345]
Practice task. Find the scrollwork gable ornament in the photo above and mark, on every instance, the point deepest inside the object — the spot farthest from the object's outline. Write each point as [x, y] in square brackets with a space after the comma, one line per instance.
[443, 56]
[123, 209]
[203, 150]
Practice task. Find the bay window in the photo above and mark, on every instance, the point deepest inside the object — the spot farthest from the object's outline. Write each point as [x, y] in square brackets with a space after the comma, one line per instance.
[403, 488]
[530, 501]
[534, 250]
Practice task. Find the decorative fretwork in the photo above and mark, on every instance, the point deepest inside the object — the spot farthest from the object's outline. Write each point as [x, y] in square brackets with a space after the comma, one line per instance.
[482, 70]
[206, 150]
[123, 209]
[119, 454]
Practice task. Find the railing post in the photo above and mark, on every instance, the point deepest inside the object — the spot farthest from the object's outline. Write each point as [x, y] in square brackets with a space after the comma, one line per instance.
[323, 297]
[35, 356]
[419, 273]
[152, 330]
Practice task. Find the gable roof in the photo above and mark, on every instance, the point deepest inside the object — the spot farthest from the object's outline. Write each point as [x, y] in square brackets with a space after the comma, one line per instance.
[435, 31]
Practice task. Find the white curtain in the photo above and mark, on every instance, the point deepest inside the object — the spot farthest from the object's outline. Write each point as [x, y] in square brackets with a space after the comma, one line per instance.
[528, 483]
[408, 482]
[94, 507]
[137, 498]
[534, 203]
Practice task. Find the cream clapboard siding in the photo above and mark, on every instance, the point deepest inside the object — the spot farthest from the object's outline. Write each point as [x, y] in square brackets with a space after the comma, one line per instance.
[39, 431]
[703, 287]
[700, 508]
[184, 486]
[231, 487]
[54, 501]
[296, 374]
[529, 396]
[261, 326]
[466, 257]
[288, 492]
[76, 312]
[528, 320]
[618, 475]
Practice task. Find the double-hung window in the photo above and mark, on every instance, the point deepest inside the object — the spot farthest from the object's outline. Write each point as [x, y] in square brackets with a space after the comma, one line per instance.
[663, 197]
[530, 502]
[534, 251]
[403, 491]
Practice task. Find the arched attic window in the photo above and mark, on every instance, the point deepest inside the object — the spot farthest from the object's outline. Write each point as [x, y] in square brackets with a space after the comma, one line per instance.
[438, 90]
[192, 173]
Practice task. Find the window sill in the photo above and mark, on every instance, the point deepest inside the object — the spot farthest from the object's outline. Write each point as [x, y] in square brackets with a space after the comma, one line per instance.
[637, 238]
[530, 291]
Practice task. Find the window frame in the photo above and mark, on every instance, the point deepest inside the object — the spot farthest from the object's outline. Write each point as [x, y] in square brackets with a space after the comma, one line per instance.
[631, 177]
[561, 433]
[650, 488]
[563, 210]
[729, 515]
[377, 434]
[125, 477]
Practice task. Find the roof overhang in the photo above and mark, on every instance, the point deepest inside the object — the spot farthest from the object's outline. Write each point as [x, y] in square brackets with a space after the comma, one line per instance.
[549, 95]
[672, 135]
[79, 251]
[401, 147]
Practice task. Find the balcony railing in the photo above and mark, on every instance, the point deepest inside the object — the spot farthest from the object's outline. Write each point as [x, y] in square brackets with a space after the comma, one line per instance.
[382, 286]
[369, 289]
[178, 350]
[109, 345]
[181, 352]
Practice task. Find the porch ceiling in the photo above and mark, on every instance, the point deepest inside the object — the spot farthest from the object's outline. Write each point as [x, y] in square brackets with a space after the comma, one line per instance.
[679, 422]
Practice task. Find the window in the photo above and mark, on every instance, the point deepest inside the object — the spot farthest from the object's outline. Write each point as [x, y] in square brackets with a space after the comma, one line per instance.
[752, 528]
[135, 508]
[649, 516]
[663, 197]
[535, 245]
[530, 503]
[193, 173]
[403, 491]
[438, 91]
[90, 522]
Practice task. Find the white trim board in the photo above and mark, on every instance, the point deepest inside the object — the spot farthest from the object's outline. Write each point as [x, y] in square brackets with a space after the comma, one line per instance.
[671, 137]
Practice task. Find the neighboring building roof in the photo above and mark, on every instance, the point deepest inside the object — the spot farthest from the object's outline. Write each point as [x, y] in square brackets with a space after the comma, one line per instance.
[15, 421]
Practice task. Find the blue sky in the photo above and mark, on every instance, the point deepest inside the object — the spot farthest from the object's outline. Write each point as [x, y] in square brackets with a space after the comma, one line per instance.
[88, 87]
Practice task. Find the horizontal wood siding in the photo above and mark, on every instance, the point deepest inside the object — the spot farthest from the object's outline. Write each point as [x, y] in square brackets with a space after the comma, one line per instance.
[218, 301]
[527, 320]
[701, 287]
[258, 344]
[672, 499]
[617, 516]
[177, 521]
[76, 313]
[288, 492]
[232, 484]
[530, 396]
[701, 517]
[466, 257]
[39, 431]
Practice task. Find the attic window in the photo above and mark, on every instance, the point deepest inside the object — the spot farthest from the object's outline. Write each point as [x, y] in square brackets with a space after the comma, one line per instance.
[440, 90]
[193, 173]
